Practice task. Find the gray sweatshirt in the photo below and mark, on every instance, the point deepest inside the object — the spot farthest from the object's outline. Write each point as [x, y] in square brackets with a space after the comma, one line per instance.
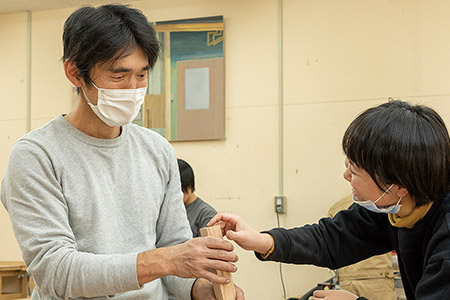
[82, 208]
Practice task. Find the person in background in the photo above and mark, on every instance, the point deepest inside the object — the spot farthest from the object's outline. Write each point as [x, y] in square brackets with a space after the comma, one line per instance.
[398, 165]
[199, 213]
[95, 201]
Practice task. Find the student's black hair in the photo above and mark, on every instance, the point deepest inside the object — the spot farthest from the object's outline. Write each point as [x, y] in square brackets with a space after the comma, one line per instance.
[404, 144]
[105, 34]
[187, 176]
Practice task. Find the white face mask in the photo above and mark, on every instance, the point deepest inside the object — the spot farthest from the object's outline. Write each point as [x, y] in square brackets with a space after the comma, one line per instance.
[117, 107]
[370, 205]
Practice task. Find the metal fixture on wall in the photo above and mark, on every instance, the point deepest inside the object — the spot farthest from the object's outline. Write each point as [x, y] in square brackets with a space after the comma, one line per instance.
[280, 101]
[280, 125]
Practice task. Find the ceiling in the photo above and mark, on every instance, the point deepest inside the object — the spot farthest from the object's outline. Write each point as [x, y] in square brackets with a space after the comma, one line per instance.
[15, 6]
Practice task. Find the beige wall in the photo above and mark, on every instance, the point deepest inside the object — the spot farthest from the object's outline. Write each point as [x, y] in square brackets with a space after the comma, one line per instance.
[13, 82]
[340, 57]
[51, 92]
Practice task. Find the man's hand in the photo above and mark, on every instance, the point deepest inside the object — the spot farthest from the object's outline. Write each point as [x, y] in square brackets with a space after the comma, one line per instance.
[203, 290]
[333, 295]
[191, 259]
[236, 229]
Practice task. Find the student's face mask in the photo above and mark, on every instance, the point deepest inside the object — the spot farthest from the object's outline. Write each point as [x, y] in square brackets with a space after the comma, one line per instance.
[117, 107]
[370, 205]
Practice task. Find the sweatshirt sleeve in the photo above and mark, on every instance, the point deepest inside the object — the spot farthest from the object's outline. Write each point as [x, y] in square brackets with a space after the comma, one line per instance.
[32, 195]
[351, 236]
[173, 226]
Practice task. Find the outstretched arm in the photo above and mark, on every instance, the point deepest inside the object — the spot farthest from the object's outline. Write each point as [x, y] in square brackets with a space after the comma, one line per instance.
[352, 235]
[236, 229]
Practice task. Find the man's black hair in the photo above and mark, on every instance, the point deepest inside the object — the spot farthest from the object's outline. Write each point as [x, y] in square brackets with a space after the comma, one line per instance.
[404, 144]
[187, 176]
[105, 34]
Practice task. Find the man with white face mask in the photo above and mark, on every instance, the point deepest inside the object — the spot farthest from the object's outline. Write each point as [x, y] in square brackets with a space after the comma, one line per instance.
[95, 201]
[398, 165]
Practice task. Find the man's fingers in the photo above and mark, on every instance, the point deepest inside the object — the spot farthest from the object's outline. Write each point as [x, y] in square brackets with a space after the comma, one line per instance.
[224, 255]
[220, 265]
[217, 243]
[213, 277]
[221, 255]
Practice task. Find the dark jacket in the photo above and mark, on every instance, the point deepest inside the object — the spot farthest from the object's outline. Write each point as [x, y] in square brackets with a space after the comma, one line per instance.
[357, 233]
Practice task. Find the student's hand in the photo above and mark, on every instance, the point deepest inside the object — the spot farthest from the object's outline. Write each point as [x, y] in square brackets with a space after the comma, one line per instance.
[195, 258]
[236, 229]
[333, 295]
[203, 290]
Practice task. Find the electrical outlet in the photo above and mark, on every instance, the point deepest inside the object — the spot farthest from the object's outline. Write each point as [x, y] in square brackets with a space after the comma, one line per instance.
[280, 204]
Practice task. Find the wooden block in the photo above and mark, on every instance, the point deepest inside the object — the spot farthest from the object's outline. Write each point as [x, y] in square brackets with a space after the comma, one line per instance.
[221, 291]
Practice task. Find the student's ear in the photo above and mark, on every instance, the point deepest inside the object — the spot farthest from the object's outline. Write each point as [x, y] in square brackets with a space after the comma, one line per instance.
[401, 192]
[72, 73]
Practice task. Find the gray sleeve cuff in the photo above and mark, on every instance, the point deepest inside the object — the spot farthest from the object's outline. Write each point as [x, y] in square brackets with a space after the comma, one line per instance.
[180, 287]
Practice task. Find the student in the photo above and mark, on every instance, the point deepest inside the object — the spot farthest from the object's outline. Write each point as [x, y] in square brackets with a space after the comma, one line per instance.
[95, 201]
[199, 213]
[398, 164]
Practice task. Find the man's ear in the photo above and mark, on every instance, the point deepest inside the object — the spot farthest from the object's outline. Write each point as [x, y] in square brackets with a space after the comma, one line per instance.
[401, 192]
[72, 73]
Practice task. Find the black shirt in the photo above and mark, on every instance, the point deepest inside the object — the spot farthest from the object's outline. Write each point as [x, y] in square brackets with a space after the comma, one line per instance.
[357, 233]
